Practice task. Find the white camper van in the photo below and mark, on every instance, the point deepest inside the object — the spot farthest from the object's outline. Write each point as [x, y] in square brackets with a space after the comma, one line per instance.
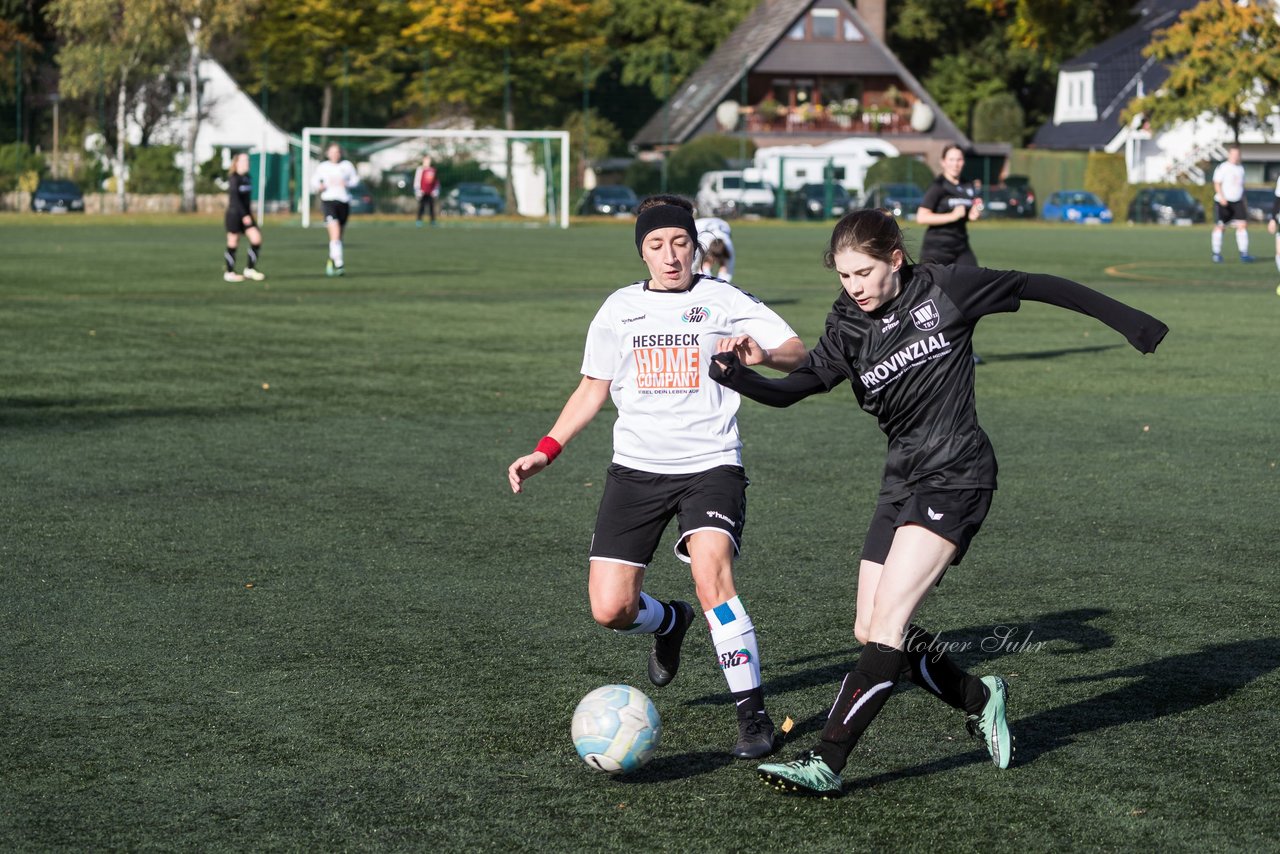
[793, 166]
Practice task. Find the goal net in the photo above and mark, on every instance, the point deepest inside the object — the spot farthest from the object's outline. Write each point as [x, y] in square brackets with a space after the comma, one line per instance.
[528, 171]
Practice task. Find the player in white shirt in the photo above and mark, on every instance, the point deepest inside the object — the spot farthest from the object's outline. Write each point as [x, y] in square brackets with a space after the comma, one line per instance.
[717, 261]
[333, 180]
[676, 452]
[1229, 205]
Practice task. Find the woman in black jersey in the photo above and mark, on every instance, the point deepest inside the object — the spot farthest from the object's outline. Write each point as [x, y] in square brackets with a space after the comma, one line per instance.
[901, 334]
[946, 209]
[239, 220]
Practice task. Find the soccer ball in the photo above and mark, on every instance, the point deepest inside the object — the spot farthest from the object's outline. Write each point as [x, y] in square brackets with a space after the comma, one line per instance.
[616, 729]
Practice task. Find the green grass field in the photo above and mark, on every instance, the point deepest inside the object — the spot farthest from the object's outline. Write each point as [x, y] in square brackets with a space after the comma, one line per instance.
[266, 588]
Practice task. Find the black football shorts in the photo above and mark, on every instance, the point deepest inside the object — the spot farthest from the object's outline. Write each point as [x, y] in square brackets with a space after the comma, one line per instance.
[637, 505]
[954, 515]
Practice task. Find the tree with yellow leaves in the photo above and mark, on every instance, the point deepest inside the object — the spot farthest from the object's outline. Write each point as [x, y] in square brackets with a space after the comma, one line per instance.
[1224, 60]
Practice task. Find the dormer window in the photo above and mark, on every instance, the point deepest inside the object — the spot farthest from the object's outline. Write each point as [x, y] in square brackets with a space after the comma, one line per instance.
[825, 24]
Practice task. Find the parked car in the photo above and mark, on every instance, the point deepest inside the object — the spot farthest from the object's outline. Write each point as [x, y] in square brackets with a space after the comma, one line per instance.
[734, 192]
[59, 196]
[608, 199]
[1166, 206]
[1075, 206]
[362, 201]
[473, 199]
[1013, 198]
[809, 201]
[902, 200]
[1259, 201]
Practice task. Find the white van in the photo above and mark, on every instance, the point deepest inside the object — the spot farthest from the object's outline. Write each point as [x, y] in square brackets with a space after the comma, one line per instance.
[797, 165]
[734, 192]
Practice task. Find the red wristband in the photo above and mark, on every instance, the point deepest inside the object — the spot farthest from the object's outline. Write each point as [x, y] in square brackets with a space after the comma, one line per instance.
[550, 447]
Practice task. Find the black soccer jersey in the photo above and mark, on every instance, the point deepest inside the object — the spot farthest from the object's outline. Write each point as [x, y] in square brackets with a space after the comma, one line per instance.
[911, 365]
[239, 196]
[946, 241]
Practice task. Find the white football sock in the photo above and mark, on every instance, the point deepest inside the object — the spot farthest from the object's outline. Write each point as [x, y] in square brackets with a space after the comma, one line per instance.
[734, 635]
[1216, 242]
[649, 620]
[1242, 241]
[335, 251]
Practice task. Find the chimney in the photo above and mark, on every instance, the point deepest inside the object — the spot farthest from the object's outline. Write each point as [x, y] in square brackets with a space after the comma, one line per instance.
[872, 12]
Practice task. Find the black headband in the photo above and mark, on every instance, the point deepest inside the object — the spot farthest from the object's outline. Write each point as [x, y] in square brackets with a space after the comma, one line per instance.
[664, 216]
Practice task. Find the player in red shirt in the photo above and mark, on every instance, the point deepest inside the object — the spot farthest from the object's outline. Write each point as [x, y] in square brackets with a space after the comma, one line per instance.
[426, 186]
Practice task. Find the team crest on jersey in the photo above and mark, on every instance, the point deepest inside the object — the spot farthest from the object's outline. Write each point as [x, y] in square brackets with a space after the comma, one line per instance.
[925, 316]
[697, 314]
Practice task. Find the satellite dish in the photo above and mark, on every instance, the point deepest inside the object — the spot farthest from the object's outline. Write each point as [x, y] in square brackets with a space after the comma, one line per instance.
[727, 115]
[921, 117]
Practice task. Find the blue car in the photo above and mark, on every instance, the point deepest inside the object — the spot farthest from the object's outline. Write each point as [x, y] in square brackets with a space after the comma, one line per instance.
[1075, 206]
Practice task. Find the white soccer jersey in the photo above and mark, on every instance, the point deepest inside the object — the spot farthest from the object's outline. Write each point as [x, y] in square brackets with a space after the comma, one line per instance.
[334, 180]
[712, 228]
[655, 347]
[1231, 177]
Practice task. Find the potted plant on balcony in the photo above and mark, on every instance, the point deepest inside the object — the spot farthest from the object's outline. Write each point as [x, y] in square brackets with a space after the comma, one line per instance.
[842, 112]
[768, 110]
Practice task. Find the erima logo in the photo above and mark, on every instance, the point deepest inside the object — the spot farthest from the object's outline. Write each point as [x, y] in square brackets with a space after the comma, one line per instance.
[697, 314]
[734, 659]
[888, 323]
[935, 516]
[632, 319]
[925, 316]
[913, 353]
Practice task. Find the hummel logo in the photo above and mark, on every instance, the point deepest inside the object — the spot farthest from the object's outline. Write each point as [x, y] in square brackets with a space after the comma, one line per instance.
[935, 516]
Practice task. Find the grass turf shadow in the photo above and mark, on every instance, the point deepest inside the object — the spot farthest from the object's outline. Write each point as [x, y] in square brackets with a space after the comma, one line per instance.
[1160, 688]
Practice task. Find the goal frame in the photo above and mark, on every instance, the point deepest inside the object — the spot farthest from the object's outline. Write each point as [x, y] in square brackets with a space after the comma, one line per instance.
[308, 133]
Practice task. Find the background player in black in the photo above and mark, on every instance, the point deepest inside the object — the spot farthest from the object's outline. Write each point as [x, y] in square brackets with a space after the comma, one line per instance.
[946, 209]
[239, 220]
[901, 334]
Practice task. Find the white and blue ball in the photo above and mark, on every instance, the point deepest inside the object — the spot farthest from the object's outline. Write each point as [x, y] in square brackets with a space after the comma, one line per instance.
[616, 729]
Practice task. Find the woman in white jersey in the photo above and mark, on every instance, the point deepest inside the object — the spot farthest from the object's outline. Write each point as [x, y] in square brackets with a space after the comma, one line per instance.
[676, 452]
[333, 179]
[1229, 206]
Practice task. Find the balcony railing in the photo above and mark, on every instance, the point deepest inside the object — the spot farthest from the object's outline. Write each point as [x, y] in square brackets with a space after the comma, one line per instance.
[889, 120]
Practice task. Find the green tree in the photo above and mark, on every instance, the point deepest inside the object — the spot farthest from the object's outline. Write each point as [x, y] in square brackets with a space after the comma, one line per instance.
[596, 138]
[966, 51]
[1224, 60]
[198, 23]
[116, 43]
[494, 56]
[349, 46]
[659, 44]
[490, 55]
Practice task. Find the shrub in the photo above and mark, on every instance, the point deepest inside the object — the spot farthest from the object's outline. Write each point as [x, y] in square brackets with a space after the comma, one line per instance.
[704, 154]
[1106, 175]
[899, 170]
[152, 170]
[999, 118]
[20, 167]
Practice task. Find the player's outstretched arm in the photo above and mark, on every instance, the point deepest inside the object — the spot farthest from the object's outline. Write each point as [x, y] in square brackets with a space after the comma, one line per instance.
[728, 370]
[577, 413]
[787, 356]
[1141, 330]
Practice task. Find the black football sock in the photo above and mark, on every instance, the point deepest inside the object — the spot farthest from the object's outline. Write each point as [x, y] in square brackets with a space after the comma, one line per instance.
[229, 255]
[750, 703]
[933, 670]
[254, 251]
[863, 693]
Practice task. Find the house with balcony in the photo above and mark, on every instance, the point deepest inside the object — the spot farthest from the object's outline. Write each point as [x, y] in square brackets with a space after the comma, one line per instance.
[806, 72]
